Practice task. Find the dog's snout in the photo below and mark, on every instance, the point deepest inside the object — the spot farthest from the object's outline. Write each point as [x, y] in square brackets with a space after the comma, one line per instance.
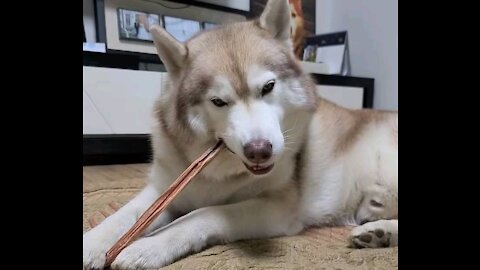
[258, 151]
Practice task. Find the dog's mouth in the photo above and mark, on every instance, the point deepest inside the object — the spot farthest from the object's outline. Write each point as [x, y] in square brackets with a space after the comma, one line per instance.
[259, 169]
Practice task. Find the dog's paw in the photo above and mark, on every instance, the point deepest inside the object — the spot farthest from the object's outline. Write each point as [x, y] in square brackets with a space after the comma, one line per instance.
[370, 239]
[147, 253]
[138, 256]
[94, 250]
[374, 235]
[158, 250]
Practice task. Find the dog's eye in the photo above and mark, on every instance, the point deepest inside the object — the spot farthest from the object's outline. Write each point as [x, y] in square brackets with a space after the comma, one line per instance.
[218, 102]
[268, 87]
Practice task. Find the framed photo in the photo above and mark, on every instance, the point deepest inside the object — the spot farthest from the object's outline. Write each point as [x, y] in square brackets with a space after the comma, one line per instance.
[135, 25]
[331, 49]
[181, 29]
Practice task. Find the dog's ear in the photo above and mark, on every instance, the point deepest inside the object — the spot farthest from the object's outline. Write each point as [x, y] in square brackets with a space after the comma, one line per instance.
[276, 19]
[172, 52]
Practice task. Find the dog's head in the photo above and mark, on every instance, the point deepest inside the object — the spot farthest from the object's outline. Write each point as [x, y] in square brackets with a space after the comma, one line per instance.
[239, 82]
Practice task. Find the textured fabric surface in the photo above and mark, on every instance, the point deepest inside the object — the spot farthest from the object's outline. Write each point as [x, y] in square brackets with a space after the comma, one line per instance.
[106, 188]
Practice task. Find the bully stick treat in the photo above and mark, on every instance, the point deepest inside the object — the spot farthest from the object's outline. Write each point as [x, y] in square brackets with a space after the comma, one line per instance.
[161, 203]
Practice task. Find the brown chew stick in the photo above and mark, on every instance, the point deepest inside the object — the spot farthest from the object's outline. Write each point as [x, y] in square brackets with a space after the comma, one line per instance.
[161, 203]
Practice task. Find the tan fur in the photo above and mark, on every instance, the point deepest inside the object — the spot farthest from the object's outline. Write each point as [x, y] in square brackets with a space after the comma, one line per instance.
[345, 126]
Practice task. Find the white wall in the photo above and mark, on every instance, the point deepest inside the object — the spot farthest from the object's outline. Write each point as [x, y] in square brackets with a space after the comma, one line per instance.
[372, 27]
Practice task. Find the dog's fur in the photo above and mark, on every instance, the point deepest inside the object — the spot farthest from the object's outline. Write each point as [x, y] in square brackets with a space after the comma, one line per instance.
[332, 166]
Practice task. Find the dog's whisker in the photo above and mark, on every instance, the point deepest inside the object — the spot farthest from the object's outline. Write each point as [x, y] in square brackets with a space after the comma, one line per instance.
[294, 125]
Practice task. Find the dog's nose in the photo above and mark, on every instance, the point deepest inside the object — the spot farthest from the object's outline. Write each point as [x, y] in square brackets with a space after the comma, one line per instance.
[258, 151]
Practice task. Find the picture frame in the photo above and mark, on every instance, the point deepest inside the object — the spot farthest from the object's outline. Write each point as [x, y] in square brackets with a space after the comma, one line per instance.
[180, 28]
[331, 49]
[134, 24]
[107, 28]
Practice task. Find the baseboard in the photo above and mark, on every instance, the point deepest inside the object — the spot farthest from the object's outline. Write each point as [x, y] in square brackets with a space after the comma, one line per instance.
[116, 149]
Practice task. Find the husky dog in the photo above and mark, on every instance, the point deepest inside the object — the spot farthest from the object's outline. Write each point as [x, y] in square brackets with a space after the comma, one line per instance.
[294, 160]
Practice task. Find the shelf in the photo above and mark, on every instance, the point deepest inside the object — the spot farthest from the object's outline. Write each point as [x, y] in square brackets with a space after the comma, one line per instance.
[131, 60]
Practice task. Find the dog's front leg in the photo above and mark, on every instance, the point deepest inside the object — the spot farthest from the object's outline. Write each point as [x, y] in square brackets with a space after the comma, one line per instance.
[255, 218]
[98, 240]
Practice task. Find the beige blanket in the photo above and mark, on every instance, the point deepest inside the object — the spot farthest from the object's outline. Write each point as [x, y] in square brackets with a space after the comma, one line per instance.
[106, 188]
